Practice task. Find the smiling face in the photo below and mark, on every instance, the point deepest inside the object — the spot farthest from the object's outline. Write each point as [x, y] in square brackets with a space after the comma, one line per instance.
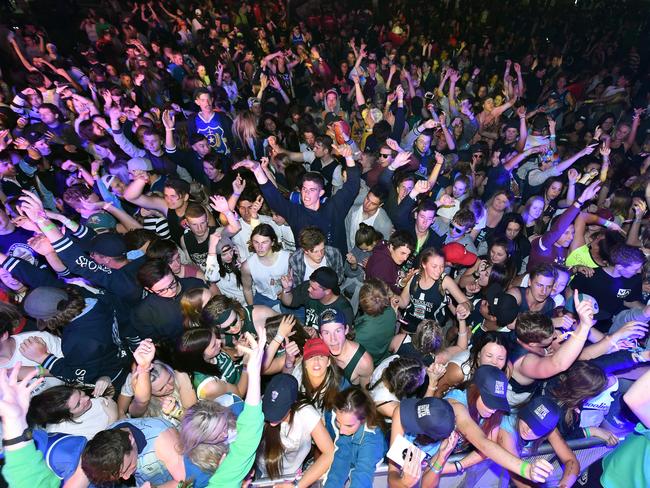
[333, 334]
[459, 189]
[423, 220]
[78, 403]
[493, 354]
[498, 254]
[434, 267]
[316, 368]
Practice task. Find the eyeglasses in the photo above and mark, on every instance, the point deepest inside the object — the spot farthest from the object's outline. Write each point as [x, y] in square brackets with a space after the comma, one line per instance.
[384, 155]
[171, 287]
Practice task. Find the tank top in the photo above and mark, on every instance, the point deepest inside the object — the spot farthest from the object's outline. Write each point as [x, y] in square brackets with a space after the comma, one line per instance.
[198, 251]
[547, 309]
[426, 304]
[175, 224]
[145, 431]
[349, 368]
[266, 279]
[518, 393]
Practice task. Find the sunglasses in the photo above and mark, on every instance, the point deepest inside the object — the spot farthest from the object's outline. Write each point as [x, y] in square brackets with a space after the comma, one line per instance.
[384, 155]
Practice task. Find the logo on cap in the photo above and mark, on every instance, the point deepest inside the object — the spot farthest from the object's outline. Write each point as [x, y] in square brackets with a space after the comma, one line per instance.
[274, 395]
[423, 411]
[499, 387]
[541, 412]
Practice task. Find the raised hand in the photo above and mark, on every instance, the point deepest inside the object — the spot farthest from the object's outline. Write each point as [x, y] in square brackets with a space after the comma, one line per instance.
[286, 325]
[351, 259]
[15, 396]
[631, 330]
[521, 111]
[34, 349]
[344, 150]
[219, 203]
[392, 143]
[168, 119]
[402, 159]
[144, 353]
[435, 371]
[446, 201]
[287, 282]
[41, 245]
[573, 176]
[422, 186]
[248, 164]
[31, 205]
[590, 192]
[517, 67]
[253, 352]
[584, 309]
[238, 185]
[430, 124]
[589, 149]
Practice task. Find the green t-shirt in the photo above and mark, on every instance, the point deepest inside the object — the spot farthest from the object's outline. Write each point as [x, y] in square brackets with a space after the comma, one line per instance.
[375, 333]
[314, 308]
[230, 372]
[628, 466]
[581, 257]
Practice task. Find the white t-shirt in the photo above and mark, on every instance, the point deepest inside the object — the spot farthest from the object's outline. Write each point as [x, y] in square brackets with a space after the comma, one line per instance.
[266, 279]
[102, 413]
[309, 270]
[380, 393]
[53, 346]
[296, 440]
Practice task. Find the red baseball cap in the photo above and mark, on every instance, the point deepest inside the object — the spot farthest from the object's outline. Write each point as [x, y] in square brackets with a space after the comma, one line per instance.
[314, 347]
[455, 253]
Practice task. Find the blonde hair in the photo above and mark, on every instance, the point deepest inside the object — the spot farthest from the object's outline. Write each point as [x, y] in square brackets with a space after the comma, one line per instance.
[244, 127]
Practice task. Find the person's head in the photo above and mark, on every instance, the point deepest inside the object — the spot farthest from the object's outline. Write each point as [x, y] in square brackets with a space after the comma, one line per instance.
[423, 142]
[176, 193]
[157, 277]
[403, 376]
[77, 195]
[323, 146]
[400, 246]
[430, 417]
[428, 337]
[374, 297]
[386, 155]
[197, 219]
[192, 303]
[110, 456]
[7, 167]
[374, 199]
[460, 186]
[461, 223]
[334, 330]
[223, 313]
[204, 433]
[500, 201]
[151, 140]
[312, 189]
[626, 260]
[490, 348]
[264, 241]
[583, 380]
[487, 393]
[553, 189]
[203, 99]
[541, 282]
[50, 114]
[424, 215]
[354, 409]
[316, 361]
[54, 308]
[535, 331]
[499, 251]
[200, 145]
[108, 249]
[432, 263]
[561, 281]
[323, 284]
[212, 167]
[166, 250]
[511, 226]
[58, 404]
[367, 237]
[537, 418]
[404, 184]
[10, 319]
[312, 241]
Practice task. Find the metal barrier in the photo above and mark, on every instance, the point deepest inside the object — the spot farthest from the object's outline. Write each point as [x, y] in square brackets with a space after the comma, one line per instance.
[488, 474]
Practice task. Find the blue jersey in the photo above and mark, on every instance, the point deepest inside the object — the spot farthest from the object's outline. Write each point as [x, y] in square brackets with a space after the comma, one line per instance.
[216, 130]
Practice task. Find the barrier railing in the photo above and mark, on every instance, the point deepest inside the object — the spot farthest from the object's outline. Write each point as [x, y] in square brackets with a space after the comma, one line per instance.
[488, 474]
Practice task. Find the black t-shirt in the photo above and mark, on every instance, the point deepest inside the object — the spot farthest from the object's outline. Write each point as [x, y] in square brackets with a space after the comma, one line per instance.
[609, 292]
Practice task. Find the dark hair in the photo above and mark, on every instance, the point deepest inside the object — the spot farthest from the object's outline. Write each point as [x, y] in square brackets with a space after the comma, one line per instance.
[181, 187]
[10, 318]
[427, 205]
[428, 337]
[379, 191]
[402, 377]
[367, 235]
[356, 400]
[580, 382]
[310, 237]
[136, 238]
[162, 249]
[299, 335]
[103, 455]
[265, 230]
[401, 238]
[465, 217]
[624, 255]
[50, 406]
[374, 297]
[545, 269]
[216, 306]
[473, 394]
[188, 356]
[152, 271]
[482, 341]
[271, 446]
[314, 177]
[533, 327]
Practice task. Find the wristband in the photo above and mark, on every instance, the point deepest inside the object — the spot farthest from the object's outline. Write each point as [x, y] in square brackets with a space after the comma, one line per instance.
[459, 467]
[279, 338]
[522, 469]
[552, 136]
[435, 467]
[462, 334]
[48, 228]
[587, 432]
[607, 224]
[236, 194]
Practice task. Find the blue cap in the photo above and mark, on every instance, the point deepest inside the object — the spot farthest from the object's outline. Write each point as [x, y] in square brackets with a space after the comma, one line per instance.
[493, 385]
[432, 417]
[541, 414]
[280, 394]
[332, 316]
[62, 452]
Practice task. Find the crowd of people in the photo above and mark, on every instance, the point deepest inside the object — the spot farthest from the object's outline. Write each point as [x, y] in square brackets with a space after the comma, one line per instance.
[248, 241]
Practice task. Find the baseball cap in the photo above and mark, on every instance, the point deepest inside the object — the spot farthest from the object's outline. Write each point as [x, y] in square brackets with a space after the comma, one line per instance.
[108, 244]
[224, 242]
[314, 347]
[34, 135]
[327, 278]
[330, 118]
[332, 316]
[280, 394]
[493, 385]
[541, 414]
[43, 302]
[107, 180]
[502, 305]
[432, 417]
[456, 253]
[61, 451]
[570, 306]
[139, 164]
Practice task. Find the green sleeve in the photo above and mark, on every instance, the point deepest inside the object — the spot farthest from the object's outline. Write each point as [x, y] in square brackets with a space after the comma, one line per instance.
[239, 460]
[26, 468]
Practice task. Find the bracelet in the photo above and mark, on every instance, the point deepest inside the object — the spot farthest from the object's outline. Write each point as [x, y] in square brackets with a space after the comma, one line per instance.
[463, 334]
[48, 228]
[459, 467]
[587, 432]
[607, 224]
[236, 194]
[279, 338]
[552, 136]
[435, 467]
[522, 469]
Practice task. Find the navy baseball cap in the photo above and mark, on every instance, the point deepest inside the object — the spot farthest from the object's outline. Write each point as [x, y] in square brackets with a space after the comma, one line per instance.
[280, 394]
[493, 385]
[332, 316]
[432, 417]
[108, 244]
[541, 414]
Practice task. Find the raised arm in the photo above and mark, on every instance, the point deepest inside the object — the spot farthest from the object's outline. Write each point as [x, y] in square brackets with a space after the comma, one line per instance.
[133, 194]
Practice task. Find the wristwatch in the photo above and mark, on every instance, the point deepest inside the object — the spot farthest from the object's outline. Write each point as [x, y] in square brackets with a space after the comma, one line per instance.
[25, 436]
